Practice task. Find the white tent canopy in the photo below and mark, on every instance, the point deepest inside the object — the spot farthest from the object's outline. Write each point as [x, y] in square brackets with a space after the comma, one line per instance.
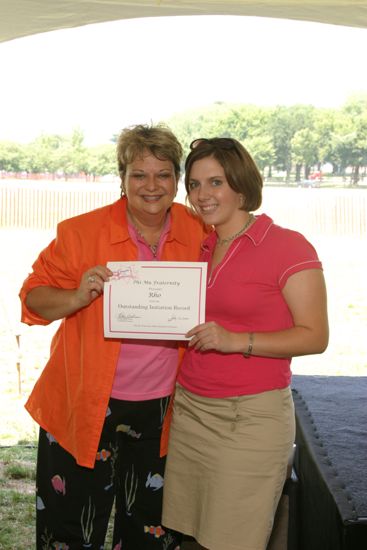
[25, 17]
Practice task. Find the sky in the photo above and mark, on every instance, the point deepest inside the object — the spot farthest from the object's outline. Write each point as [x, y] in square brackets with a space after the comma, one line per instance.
[102, 78]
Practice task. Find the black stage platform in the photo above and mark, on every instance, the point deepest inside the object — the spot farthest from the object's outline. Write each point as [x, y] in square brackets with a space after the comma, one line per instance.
[331, 462]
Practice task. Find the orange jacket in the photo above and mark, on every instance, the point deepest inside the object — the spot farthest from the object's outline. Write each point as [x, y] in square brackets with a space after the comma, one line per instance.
[70, 398]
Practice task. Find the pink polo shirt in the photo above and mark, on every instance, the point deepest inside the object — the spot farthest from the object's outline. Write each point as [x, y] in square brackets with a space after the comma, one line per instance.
[146, 369]
[244, 294]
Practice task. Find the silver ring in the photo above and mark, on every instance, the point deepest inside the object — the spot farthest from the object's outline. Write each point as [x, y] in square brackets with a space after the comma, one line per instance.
[91, 279]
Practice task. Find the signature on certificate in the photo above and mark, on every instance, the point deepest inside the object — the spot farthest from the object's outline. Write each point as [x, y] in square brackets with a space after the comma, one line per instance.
[175, 318]
[127, 317]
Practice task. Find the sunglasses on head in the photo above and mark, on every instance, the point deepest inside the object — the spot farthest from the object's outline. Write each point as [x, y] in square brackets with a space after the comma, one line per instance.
[222, 143]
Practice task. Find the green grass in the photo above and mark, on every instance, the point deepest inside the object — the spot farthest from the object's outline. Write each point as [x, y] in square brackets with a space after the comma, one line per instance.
[19, 470]
[17, 496]
[17, 515]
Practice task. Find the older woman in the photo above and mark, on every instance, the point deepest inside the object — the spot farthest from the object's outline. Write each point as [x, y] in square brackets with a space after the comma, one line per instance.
[233, 423]
[101, 402]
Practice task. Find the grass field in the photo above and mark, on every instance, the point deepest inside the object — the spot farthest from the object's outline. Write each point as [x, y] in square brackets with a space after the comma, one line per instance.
[17, 513]
[345, 266]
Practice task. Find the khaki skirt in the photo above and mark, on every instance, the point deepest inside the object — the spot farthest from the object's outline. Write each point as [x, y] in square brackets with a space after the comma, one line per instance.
[226, 467]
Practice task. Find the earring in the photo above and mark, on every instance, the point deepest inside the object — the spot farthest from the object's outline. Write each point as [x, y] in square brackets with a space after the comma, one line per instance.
[242, 200]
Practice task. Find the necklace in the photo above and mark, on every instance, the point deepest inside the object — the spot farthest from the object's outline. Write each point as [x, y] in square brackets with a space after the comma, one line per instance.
[153, 247]
[221, 242]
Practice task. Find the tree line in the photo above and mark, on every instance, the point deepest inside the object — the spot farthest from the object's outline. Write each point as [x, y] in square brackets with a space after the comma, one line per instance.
[58, 156]
[293, 139]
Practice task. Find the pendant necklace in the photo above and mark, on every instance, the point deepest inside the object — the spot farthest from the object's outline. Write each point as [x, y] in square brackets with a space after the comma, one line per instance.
[221, 242]
[153, 247]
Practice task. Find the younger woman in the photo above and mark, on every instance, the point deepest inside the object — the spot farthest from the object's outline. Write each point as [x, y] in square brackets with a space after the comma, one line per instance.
[233, 422]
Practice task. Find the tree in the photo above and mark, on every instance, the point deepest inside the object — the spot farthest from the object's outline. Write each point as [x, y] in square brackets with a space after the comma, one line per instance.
[262, 149]
[101, 161]
[11, 157]
[305, 151]
[209, 122]
[285, 122]
[43, 154]
[74, 154]
[324, 125]
[350, 137]
[246, 123]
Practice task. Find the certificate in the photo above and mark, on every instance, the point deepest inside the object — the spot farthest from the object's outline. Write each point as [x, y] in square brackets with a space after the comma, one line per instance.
[154, 300]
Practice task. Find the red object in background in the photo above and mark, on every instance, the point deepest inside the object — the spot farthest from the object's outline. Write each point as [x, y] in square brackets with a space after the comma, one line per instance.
[315, 176]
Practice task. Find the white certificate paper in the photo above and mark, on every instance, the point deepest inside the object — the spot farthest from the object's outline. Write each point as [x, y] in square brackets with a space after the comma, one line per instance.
[154, 300]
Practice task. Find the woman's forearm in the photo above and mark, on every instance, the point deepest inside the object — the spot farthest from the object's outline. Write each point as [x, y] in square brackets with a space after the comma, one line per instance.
[293, 342]
[53, 303]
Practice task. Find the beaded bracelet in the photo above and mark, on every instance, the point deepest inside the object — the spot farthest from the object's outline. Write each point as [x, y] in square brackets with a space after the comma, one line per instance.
[250, 345]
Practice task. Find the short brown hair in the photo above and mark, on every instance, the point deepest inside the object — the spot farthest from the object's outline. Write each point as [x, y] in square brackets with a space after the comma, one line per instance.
[239, 167]
[159, 140]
